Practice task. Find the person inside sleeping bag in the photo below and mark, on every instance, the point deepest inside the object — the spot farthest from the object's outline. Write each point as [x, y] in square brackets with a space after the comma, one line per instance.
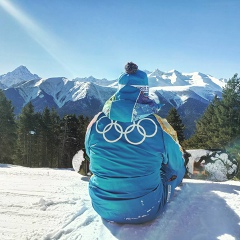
[135, 156]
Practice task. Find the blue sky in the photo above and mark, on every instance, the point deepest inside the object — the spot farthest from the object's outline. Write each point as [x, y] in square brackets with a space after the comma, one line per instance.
[79, 38]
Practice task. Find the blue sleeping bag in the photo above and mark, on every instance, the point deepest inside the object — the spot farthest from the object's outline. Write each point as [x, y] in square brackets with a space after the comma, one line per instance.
[133, 154]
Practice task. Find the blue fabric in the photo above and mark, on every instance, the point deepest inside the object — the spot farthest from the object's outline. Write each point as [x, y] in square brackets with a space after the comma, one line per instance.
[126, 186]
[133, 154]
[129, 104]
[138, 78]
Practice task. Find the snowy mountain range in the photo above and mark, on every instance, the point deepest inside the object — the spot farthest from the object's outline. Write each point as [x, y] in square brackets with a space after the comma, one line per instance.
[189, 93]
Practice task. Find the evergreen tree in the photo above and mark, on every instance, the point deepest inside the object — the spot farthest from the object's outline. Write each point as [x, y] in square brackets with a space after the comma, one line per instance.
[206, 127]
[7, 130]
[55, 139]
[46, 141]
[220, 123]
[229, 111]
[176, 122]
[69, 140]
[82, 128]
[230, 118]
[50, 145]
[27, 136]
[46, 137]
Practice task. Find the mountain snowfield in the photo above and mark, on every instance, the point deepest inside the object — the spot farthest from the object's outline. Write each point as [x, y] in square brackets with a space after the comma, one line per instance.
[189, 93]
[55, 204]
[63, 90]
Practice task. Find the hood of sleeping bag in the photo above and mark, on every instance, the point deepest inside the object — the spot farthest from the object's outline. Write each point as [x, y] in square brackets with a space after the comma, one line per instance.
[131, 102]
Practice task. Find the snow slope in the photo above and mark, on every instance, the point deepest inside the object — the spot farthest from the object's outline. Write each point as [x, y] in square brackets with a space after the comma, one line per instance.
[54, 204]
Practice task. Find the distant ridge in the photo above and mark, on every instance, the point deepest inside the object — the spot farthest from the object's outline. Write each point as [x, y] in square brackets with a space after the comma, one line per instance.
[189, 93]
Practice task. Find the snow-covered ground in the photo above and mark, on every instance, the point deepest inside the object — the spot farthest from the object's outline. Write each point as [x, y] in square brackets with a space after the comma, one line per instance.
[54, 204]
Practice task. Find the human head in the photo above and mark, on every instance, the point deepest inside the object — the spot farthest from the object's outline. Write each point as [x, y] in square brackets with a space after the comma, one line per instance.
[134, 77]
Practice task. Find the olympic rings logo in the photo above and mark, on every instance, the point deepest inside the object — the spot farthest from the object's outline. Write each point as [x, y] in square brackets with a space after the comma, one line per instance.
[129, 129]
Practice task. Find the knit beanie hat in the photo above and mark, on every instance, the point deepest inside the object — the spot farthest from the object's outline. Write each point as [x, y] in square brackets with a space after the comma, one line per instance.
[134, 77]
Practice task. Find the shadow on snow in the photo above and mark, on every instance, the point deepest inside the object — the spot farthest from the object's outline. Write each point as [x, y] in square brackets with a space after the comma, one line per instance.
[196, 212]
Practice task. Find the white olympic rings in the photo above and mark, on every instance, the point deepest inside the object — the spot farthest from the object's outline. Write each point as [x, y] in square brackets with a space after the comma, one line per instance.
[128, 130]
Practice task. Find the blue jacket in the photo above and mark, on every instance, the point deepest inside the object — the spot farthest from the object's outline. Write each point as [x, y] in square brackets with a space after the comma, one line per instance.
[127, 144]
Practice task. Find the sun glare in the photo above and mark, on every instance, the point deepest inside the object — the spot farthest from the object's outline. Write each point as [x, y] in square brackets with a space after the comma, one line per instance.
[50, 43]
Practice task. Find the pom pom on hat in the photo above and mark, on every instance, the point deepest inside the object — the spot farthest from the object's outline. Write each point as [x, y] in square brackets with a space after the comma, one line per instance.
[131, 68]
[134, 78]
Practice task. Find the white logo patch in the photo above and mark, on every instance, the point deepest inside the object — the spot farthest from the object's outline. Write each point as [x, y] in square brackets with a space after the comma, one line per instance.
[118, 128]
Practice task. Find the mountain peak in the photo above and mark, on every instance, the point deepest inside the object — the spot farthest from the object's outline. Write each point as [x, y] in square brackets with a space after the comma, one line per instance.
[156, 73]
[174, 71]
[200, 74]
[21, 70]
[18, 75]
[22, 67]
